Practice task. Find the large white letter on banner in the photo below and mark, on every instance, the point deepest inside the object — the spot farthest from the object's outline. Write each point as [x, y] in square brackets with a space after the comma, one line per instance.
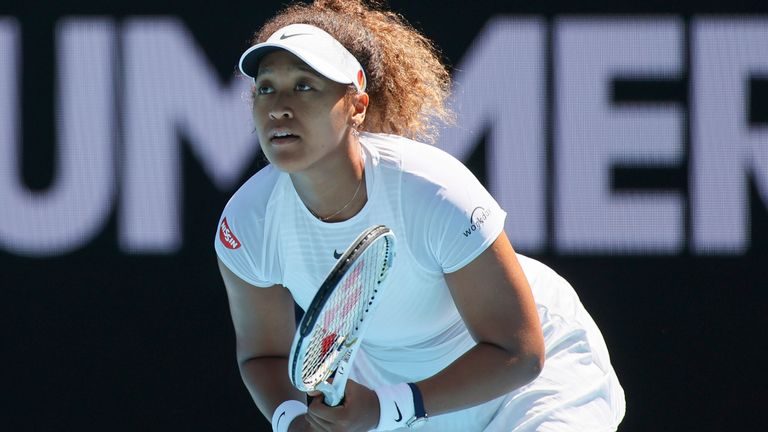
[74, 209]
[726, 149]
[173, 92]
[592, 136]
[499, 91]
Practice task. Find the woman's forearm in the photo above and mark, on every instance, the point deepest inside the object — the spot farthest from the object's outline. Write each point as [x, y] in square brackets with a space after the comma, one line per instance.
[267, 381]
[483, 373]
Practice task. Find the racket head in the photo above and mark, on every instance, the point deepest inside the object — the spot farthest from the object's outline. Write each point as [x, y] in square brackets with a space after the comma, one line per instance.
[341, 309]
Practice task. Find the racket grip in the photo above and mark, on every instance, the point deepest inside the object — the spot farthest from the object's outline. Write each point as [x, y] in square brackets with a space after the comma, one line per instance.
[332, 396]
[334, 391]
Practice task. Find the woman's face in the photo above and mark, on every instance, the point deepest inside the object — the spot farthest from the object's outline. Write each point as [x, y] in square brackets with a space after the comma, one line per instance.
[301, 117]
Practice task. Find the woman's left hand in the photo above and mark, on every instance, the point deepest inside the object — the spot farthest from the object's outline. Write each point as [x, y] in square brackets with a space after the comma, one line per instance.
[358, 411]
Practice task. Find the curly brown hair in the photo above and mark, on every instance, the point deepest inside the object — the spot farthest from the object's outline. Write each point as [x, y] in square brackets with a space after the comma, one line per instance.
[407, 82]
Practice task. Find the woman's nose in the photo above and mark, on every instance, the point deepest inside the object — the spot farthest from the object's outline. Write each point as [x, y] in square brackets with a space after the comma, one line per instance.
[280, 112]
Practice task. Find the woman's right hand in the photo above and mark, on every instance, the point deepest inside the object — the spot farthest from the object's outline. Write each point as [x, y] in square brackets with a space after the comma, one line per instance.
[300, 424]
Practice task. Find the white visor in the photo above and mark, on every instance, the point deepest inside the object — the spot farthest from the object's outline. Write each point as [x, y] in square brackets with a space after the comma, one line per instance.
[314, 47]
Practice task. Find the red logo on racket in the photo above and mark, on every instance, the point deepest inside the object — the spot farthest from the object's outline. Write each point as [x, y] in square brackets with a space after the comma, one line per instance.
[227, 237]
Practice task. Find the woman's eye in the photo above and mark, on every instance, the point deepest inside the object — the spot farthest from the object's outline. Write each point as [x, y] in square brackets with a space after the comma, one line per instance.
[264, 90]
[303, 87]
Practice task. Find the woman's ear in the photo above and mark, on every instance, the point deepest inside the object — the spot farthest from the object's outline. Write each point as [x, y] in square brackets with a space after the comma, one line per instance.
[360, 106]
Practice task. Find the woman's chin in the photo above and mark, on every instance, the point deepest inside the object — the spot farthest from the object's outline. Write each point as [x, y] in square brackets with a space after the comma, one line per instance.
[287, 164]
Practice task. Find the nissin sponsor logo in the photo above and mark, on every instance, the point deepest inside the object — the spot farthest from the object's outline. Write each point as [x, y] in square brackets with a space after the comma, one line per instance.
[227, 237]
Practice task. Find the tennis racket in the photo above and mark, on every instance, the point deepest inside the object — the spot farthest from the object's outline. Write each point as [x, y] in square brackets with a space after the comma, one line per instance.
[334, 324]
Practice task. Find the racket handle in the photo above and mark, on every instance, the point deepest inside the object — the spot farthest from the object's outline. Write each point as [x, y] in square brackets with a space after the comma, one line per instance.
[331, 395]
[334, 391]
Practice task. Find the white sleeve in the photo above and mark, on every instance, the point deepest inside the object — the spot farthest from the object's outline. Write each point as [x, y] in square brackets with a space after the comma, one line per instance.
[239, 257]
[243, 241]
[449, 213]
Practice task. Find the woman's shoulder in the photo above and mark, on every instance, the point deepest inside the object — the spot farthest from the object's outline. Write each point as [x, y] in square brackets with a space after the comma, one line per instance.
[255, 193]
[242, 240]
[412, 157]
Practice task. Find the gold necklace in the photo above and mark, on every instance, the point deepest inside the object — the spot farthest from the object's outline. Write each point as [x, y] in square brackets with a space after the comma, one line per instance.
[324, 219]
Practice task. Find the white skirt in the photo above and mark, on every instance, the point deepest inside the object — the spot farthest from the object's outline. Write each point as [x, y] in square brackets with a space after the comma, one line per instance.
[577, 389]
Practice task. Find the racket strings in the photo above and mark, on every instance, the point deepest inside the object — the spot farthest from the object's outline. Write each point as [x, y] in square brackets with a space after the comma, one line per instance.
[345, 311]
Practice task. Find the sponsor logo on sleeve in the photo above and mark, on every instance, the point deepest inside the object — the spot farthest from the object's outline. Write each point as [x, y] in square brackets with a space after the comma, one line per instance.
[227, 237]
[476, 220]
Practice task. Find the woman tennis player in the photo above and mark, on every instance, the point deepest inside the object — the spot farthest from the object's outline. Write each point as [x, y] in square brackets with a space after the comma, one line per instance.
[469, 335]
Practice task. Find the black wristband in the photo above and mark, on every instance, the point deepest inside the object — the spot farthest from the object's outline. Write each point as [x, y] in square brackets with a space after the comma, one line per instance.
[418, 401]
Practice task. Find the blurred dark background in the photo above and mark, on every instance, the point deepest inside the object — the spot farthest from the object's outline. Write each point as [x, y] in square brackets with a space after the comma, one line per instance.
[119, 321]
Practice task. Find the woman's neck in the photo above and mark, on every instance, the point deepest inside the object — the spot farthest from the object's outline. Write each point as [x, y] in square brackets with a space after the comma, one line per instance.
[336, 191]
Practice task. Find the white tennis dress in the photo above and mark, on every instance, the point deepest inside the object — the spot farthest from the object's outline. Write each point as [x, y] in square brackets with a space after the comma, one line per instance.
[443, 218]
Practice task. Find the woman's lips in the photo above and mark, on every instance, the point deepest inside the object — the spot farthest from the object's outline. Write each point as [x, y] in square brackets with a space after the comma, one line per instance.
[283, 140]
